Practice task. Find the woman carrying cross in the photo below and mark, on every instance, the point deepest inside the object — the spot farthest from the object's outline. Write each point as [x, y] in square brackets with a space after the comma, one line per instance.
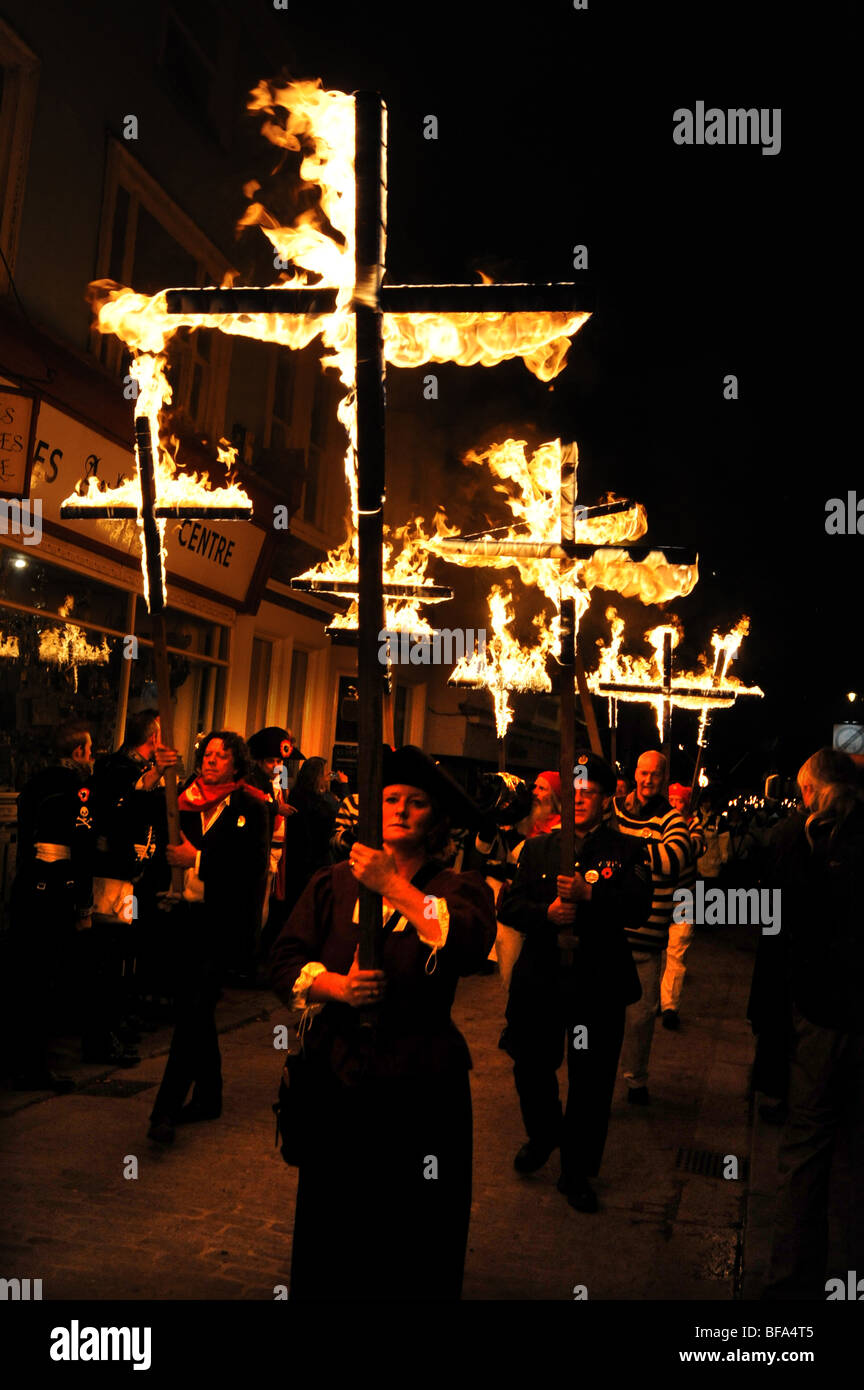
[387, 1138]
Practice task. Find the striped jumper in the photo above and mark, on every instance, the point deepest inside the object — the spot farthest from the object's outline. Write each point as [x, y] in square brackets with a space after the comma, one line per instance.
[667, 841]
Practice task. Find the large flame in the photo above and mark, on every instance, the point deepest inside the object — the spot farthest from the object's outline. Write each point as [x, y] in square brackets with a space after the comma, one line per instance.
[505, 666]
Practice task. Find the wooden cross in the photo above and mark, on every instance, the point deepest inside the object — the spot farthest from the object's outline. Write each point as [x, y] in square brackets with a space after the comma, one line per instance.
[151, 512]
[565, 551]
[372, 299]
[670, 691]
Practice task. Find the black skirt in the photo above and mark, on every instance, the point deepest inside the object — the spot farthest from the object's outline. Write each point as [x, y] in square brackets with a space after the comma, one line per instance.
[384, 1195]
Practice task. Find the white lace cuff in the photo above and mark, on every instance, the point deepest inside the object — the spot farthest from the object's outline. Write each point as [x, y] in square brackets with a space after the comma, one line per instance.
[442, 913]
[310, 972]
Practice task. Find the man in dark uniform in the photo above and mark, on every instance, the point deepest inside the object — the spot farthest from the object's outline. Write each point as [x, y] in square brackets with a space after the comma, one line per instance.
[131, 836]
[51, 899]
[573, 981]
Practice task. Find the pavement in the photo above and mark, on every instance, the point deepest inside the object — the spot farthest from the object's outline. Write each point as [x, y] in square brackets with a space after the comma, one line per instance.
[97, 1211]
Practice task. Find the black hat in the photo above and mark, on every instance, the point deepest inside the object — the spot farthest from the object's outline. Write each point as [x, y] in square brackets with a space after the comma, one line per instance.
[411, 767]
[596, 769]
[272, 742]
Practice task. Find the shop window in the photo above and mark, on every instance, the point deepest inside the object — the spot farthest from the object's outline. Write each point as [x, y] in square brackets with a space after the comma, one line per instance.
[86, 672]
[259, 685]
[150, 244]
[297, 694]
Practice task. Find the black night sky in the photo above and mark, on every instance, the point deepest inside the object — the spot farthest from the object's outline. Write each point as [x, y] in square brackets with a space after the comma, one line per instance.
[555, 129]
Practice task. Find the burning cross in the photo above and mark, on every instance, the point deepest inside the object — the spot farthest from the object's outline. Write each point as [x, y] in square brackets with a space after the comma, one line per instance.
[151, 510]
[668, 690]
[372, 301]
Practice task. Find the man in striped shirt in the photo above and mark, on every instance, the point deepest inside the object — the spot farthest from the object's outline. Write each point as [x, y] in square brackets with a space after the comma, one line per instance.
[647, 815]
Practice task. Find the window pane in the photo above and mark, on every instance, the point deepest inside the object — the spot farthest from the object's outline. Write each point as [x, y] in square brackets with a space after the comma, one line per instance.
[160, 262]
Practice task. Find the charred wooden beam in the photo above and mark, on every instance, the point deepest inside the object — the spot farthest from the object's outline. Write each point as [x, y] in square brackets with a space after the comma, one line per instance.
[427, 593]
[487, 299]
[455, 546]
[240, 299]
[127, 511]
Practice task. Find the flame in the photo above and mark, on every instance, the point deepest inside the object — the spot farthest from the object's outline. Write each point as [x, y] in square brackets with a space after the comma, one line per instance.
[505, 666]
[8, 646]
[68, 646]
[707, 689]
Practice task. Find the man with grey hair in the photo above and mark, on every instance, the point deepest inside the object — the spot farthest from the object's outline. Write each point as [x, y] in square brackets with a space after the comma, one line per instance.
[647, 815]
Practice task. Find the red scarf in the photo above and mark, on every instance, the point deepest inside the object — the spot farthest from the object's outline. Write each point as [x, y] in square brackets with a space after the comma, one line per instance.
[200, 796]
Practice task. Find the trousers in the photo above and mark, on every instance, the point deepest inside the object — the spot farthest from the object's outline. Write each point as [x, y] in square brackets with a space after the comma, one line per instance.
[639, 1020]
[675, 968]
[538, 1031]
[826, 1096]
[194, 1058]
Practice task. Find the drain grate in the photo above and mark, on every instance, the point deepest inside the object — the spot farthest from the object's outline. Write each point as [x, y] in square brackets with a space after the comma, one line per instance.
[115, 1088]
[708, 1164]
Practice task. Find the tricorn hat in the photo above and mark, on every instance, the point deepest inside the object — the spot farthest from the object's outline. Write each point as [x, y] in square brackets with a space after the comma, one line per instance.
[272, 742]
[411, 767]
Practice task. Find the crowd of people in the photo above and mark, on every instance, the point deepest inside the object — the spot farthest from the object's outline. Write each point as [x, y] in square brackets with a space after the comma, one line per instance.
[589, 957]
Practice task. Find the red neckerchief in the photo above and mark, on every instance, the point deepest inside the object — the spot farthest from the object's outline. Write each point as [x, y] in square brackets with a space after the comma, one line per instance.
[545, 827]
[199, 796]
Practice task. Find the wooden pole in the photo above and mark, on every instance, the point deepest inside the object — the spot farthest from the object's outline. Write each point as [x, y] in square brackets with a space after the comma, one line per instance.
[370, 216]
[152, 542]
[125, 677]
[567, 660]
[666, 739]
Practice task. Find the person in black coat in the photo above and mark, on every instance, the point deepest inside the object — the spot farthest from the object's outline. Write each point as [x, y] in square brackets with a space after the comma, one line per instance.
[51, 910]
[384, 1196]
[823, 917]
[572, 982]
[225, 854]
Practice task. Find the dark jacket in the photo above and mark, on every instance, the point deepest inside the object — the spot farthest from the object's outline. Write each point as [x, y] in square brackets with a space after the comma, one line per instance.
[235, 856]
[131, 825]
[823, 911]
[620, 901]
[414, 1034]
[54, 808]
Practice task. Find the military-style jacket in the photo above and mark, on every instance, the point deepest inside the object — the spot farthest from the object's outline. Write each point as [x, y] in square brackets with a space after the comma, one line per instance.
[620, 878]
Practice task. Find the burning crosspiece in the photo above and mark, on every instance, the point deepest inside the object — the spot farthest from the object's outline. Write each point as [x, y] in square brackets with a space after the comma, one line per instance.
[563, 549]
[652, 680]
[157, 492]
[68, 645]
[406, 585]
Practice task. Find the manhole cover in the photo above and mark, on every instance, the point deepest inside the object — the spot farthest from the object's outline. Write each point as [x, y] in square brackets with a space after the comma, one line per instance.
[708, 1164]
[115, 1088]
